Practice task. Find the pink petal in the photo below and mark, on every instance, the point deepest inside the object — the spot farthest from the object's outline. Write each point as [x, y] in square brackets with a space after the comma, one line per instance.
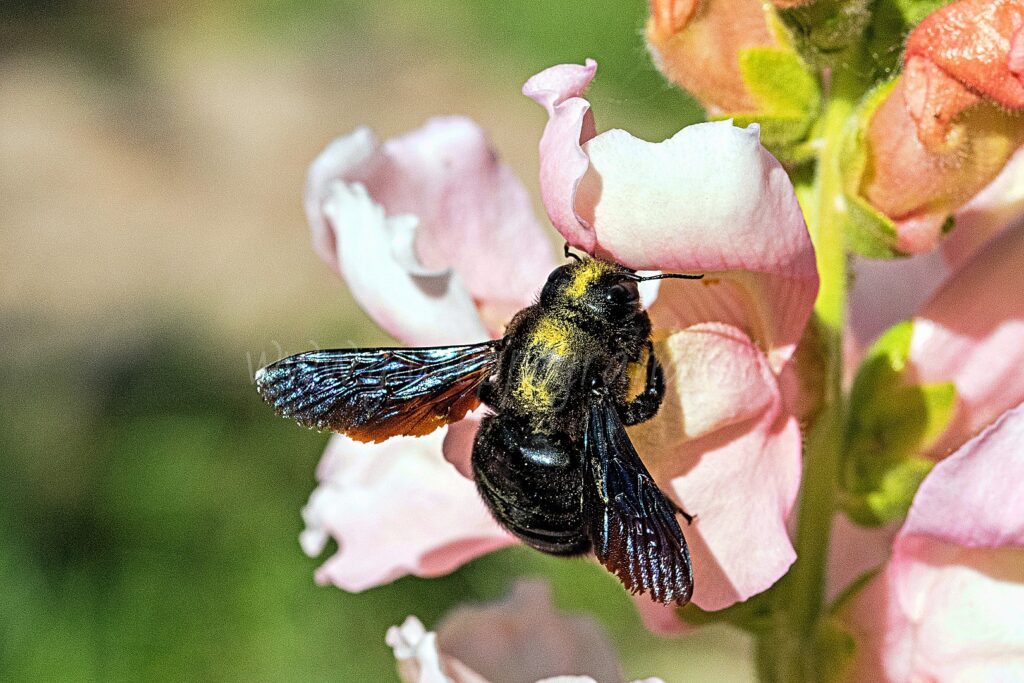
[885, 292]
[957, 615]
[395, 508]
[375, 257]
[658, 618]
[710, 199]
[563, 162]
[468, 207]
[972, 334]
[493, 638]
[516, 640]
[341, 159]
[421, 661]
[950, 603]
[726, 450]
[998, 206]
[853, 551]
[458, 442]
[982, 482]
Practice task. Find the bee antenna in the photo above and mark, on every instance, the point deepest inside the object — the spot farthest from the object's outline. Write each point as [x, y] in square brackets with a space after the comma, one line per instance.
[569, 254]
[665, 276]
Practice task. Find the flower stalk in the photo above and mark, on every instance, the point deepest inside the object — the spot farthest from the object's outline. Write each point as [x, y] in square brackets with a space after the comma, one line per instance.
[791, 650]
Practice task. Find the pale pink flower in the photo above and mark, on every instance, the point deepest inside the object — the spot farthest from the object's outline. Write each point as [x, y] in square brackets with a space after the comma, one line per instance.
[949, 605]
[433, 520]
[519, 640]
[413, 227]
[711, 199]
[970, 333]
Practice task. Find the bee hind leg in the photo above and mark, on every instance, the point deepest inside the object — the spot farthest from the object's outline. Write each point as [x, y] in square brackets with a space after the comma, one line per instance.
[646, 404]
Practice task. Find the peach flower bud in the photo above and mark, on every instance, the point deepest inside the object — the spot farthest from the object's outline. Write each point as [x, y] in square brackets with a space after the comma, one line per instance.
[944, 130]
[696, 45]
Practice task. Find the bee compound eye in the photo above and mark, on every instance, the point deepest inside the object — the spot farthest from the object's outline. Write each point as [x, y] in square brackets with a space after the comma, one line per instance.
[558, 274]
[623, 293]
[556, 280]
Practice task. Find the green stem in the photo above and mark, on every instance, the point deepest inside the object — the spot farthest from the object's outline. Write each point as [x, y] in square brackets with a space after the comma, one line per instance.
[824, 442]
[791, 651]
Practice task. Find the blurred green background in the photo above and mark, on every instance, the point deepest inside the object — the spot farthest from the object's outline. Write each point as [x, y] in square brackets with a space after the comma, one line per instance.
[153, 253]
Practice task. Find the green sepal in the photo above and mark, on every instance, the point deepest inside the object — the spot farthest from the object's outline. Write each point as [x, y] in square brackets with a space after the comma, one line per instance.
[784, 112]
[823, 30]
[891, 21]
[892, 494]
[837, 644]
[890, 424]
[753, 615]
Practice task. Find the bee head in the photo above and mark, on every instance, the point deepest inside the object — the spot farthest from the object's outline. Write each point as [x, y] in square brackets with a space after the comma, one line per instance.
[598, 288]
[594, 287]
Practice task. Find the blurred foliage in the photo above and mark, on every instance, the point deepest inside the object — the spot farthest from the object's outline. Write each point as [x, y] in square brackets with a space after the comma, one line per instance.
[149, 502]
[521, 38]
[149, 514]
[516, 39]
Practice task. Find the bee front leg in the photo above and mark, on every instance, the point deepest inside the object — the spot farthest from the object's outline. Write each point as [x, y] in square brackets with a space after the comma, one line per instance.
[645, 406]
[487, 392]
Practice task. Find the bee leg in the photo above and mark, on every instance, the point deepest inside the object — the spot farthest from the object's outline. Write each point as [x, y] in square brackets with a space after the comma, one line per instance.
[644, 406]
[487, 392]
[686, 515]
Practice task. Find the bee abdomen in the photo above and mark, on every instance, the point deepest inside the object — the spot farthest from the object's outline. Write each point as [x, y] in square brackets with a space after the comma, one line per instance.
[533, 485]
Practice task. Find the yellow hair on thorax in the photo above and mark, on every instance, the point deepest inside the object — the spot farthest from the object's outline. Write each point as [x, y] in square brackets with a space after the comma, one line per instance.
[533, 393]
[550, 336]
[553, 335]
[637, 374]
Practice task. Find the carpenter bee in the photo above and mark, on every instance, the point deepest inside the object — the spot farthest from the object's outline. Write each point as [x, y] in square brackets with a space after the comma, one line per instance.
[552, 461]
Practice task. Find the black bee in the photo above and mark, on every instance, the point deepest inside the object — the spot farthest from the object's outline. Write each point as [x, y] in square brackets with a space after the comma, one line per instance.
[553, 462]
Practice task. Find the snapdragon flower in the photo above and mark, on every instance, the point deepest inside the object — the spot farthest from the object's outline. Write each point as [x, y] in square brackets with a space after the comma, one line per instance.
[437, 242]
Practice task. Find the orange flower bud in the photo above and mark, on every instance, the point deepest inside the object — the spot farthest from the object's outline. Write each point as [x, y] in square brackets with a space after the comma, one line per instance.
[918, 184]
[957, 56]
[944, 132]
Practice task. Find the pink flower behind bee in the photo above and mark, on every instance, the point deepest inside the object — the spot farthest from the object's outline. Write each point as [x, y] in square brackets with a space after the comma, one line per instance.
[425, 212]
[488, 642]
[395, 508]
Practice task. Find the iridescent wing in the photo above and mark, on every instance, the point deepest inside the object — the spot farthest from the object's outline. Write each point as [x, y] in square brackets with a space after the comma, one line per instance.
[631, 523]
[374, 394]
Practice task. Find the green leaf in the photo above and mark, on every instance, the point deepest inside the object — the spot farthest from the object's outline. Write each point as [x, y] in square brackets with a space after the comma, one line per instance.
[836, 648]
[890, 425]
[787, 94]
[763, 69]
[883, 363]
[891, 500]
